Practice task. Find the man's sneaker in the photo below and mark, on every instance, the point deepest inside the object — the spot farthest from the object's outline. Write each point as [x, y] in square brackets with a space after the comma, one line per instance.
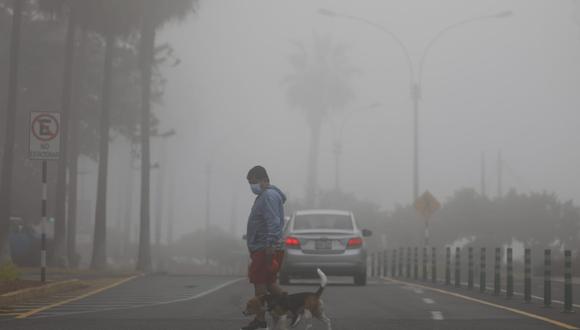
[255, 324]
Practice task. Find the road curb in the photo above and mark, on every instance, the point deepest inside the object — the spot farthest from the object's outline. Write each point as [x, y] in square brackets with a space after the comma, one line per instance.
[19, 296]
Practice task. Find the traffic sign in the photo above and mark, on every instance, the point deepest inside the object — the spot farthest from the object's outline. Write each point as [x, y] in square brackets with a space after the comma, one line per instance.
[427, 204]
[44, 140]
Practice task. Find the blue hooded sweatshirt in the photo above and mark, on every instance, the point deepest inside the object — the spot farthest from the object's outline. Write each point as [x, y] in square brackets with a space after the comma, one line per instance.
[266, 220]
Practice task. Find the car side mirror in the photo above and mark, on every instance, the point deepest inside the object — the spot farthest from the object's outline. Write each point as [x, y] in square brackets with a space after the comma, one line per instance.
[367, 233]
[244, 237]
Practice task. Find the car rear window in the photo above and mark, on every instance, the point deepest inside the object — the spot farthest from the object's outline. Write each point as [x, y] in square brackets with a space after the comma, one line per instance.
[322, 221]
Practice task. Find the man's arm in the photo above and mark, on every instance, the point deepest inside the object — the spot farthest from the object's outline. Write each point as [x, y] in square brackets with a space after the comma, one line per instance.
[273, 223]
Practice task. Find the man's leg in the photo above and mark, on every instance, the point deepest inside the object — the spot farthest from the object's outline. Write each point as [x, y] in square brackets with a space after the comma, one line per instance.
[260, 290]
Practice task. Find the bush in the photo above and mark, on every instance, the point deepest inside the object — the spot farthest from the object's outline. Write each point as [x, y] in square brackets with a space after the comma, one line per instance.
[9, 272]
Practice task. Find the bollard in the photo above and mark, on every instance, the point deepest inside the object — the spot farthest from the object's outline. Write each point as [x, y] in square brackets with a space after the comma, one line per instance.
[424, 264]
[457, 267]
[415, 263]
[394, 263]
[482, 271]
[568, 306]
[497, 273]
[408, 266]
[433, 265]
[372, 272]
[547, 278]
[470, 268]
[448, 266]
[378, 264]
[528, 276]
[400, 262]
[386, 263]
[510, 274]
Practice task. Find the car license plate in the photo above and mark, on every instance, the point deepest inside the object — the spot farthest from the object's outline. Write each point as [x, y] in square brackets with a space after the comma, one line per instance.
[323, 245]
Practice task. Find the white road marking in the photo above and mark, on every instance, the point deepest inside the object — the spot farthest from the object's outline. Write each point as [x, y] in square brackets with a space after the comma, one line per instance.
[436, 315]
[428, 301]
[418, 291]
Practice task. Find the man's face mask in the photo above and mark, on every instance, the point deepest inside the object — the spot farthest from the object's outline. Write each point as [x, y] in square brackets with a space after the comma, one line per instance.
[256, 189]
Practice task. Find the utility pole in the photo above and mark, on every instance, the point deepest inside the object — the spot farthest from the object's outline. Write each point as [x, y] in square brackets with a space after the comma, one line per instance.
[207, 211]
[499, 174]
[483, 190]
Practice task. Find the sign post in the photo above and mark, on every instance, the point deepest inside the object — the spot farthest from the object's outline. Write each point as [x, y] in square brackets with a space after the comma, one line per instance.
[426, 205]
[44, 144]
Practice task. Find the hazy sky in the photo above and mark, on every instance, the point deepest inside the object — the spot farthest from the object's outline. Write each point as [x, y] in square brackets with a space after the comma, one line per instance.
[509, 84]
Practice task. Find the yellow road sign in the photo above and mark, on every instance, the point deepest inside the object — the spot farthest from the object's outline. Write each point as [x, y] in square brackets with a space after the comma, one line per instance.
[427, 204]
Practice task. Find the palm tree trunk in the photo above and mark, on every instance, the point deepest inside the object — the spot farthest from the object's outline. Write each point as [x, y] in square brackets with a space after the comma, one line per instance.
[74, 155]
[8, 156]
[60, 250]
[99, 258]
[147, 52]
[312, 184]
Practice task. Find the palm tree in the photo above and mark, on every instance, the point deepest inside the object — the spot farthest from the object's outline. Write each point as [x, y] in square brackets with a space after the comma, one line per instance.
[318, 85]
[8, 155]
[155, 14]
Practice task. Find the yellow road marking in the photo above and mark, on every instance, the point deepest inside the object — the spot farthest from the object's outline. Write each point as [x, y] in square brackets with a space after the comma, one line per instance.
[88, 294]
[483, 302]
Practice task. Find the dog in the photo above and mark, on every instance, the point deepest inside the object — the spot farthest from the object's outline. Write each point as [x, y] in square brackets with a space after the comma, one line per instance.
[298, 305]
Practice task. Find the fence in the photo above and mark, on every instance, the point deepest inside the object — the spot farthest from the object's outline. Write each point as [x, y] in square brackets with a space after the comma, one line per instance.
[407, 262]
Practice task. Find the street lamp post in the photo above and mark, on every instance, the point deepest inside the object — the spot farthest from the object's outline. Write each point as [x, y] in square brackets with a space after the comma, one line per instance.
[337, 148]
[415, 77]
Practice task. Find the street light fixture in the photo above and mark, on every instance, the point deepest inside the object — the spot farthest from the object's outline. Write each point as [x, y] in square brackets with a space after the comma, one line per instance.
[415, 77]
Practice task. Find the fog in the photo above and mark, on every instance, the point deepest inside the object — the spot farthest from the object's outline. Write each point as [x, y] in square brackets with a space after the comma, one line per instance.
[498, 94]
[500, 84]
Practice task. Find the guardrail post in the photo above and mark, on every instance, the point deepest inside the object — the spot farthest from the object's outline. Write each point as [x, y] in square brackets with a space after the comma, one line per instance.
[424, 264]
[373, 268]
[400, 262]
[528, 276]
[408, 270]
[457, 267]
[510, 273]
[482, 270]
[448, 266]
[433, 265]
[415, 263]
[386, 263]
[470, 268]
[547, 278]
[497, 273]
[568, 306]
[394, 263]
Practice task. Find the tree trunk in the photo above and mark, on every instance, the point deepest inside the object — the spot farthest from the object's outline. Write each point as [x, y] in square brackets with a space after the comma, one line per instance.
[60, 241]
[8, 156]
[312, 184]
[99, 258]
[147, 50]
[74, 154]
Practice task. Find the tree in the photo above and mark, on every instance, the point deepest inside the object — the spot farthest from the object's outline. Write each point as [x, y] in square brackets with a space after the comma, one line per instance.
[8, 155]
[319, 84]
[155, 14]
[110, 18]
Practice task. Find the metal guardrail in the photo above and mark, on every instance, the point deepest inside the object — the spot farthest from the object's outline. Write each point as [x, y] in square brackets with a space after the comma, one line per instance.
[404, 262]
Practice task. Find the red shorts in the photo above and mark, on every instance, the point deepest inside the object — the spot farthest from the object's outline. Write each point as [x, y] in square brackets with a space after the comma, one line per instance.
[261, 273]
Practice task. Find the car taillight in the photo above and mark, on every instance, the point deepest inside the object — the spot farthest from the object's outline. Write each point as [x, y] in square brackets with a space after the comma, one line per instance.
[292, 241]
[355, 242]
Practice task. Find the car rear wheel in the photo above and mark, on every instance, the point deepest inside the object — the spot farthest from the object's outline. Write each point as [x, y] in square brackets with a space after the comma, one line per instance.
[360, 278]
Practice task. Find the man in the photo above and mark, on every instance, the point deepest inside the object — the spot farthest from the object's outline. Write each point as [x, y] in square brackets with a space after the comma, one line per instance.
[264, 238]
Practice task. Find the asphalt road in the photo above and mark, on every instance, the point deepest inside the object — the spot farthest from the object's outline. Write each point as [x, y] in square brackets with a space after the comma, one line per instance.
[186, 302]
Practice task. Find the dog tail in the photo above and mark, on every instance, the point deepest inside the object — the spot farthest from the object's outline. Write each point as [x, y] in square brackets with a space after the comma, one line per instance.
[323, 281]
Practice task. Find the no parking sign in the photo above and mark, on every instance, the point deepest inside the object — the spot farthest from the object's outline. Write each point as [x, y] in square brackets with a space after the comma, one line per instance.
[44, 141]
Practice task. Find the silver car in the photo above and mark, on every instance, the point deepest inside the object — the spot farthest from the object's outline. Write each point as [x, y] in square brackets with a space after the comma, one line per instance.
[325, 239]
